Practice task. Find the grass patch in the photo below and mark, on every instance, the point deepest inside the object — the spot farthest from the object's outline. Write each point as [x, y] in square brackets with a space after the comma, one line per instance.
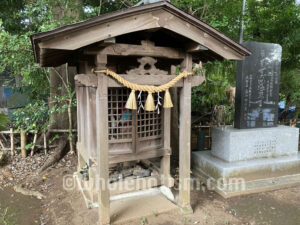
[7, 218]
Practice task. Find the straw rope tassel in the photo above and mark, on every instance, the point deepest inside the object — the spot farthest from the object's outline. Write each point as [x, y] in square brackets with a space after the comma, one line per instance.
[149, 105]
[131, 102]
[167, 100]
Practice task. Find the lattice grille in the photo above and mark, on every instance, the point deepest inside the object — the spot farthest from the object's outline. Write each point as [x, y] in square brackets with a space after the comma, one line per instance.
[119, 118]
[149, 123]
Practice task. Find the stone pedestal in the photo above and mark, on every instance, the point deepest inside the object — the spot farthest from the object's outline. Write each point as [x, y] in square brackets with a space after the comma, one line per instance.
[249, 161]
[231, 145]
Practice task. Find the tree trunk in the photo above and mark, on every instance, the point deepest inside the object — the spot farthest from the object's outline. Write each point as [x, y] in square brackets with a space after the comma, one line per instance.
[286, 109]
[58, 76]
[56, 88]
[60, 152]
[58, 121]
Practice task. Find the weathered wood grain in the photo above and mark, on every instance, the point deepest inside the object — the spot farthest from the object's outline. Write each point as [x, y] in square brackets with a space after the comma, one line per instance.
[102, 143]
[138, 50]
[77, 39]
[150, 20]
[89, 80]
[165, 160]
[149, 154]
[156, 80]
[185, 139]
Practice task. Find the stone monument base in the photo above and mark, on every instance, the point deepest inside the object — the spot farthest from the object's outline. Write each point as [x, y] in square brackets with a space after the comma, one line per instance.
[268, 159]
[245, 177]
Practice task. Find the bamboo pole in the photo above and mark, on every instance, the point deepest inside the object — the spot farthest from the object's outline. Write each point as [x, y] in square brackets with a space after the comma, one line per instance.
[69, 111]
[34, 143]
[5, 132]
[45, 143]
[2, 145]
[12, 142]
[23, 143]
[70, 127]
[62, 131]
[51, 131]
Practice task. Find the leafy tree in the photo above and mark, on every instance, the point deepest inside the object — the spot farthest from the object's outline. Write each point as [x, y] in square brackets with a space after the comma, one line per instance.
[34, 116]
[16, 57]
[278, 21]
[274, 21]
[3, 121]
[222, 15]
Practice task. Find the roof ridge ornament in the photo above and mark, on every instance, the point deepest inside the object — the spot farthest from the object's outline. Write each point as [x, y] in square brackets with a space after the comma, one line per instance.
[147, 67]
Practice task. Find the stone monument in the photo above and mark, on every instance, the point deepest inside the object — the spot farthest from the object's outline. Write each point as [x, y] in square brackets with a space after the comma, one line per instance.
[257, 87]
[255, 154]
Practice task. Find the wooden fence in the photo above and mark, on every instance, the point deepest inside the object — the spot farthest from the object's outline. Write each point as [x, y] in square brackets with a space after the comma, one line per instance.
[207, 138]
[23, 141]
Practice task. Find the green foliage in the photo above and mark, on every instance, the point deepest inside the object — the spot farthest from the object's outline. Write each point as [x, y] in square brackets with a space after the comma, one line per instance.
[26, 17]
[3, 121]
[16, 57]
[62, 103]
[33, 117]
[290, 87]
[224, 114]
[56, 137]
[278, 21]
[154, 213]
[92, 7]
[222, 15]
[7, 10]
[7, 218]
[274, 21]
[144, 221]
[215, 90]
[28, 146]
[186, 220]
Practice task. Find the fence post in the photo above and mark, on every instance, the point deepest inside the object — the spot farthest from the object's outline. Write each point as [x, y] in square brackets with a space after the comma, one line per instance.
[45, 143]
[12, 142]
[23, 143]
[34, 143]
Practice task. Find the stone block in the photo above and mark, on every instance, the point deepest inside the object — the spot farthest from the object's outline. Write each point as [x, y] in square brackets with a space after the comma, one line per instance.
[232, 145]
[244, 177]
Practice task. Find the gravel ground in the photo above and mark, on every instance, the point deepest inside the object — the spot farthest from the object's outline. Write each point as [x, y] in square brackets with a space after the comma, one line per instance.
[61, 207]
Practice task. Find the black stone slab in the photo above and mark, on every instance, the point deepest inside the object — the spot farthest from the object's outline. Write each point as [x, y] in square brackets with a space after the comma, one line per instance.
[257, 86]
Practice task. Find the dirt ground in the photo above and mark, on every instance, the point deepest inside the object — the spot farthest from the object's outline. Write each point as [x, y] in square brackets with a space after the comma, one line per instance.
[61, 207]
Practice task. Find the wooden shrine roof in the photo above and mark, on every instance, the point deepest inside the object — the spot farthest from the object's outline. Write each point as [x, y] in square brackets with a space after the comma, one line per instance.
[56, 46]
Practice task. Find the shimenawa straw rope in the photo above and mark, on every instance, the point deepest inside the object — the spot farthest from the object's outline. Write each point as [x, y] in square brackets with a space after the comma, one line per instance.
[149, 105]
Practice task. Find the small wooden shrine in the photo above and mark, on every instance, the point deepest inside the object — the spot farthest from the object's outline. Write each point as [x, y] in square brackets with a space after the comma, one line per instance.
[119, 56]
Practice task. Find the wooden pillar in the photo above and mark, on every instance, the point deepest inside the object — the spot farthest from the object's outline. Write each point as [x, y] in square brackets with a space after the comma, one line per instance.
[165, 166]
[102, 142]
[166, 178]
[174, 119]
[185, 140]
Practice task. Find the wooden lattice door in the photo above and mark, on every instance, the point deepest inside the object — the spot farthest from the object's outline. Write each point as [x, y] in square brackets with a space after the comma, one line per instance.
[149, 128]
[130, 131]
